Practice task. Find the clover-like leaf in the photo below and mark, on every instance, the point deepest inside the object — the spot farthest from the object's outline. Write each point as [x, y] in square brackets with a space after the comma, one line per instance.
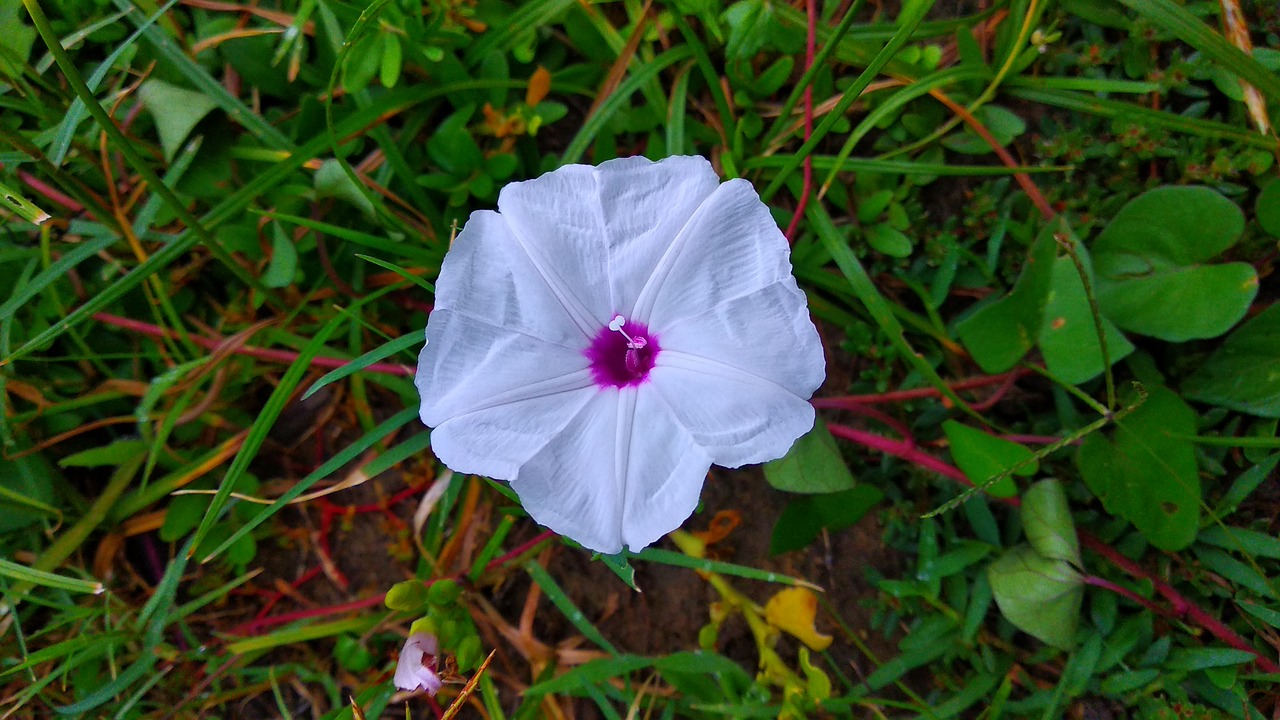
[997, 335]
[1147, 472]
[1244, 374]
[1150, 258]
[1041, 596]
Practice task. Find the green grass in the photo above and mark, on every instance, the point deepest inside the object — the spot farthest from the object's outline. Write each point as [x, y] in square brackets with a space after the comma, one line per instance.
[213, 470]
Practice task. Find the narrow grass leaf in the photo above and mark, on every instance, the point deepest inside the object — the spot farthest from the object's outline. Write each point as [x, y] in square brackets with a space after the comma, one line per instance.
[400, 344]
[56, 270]
[556, 595]
[47, 579]
[620, 97]
[876, 304]
[399, 271]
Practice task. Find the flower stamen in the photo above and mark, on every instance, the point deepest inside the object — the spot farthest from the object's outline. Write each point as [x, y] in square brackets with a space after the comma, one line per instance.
[634, 343]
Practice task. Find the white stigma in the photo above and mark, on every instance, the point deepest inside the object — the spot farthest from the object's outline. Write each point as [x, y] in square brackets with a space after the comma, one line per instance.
[634, 343]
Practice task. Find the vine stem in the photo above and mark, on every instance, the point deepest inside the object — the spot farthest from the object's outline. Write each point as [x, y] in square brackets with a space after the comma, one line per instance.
[1179, 605]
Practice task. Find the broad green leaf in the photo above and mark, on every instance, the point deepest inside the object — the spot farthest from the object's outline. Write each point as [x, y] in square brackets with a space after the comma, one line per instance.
[16, 40]
[1039, 595]
[284, 259]
[1046, 520]
[176, 110]
[888, 240]
[1148, 260]
[813, 465]
[332, 181]
[805, 516]
[982, 456]
[1146, 473]
[1268, 208]
[999, 334]
[1068, 335]
[1244, 374]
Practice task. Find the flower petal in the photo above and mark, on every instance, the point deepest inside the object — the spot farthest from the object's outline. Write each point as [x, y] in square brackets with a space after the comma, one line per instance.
[412, 673]
[766, 333]
[488, 276]
[644, 205]
[730, 247]
[556, 223]
[736, 417]
[620, 473]
[738, 376]
[495, 441]
[469, 364]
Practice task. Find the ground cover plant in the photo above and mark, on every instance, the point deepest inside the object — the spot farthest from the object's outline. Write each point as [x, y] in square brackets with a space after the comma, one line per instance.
[1037, 241]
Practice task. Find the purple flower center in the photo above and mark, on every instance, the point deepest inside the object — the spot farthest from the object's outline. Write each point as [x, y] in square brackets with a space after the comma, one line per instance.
[622, 354]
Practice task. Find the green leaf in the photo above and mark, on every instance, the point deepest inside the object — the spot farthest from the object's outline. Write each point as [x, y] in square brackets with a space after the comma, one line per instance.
[284, 259]
[804, 517]
[749, 24]
[888, 240]
[1039, 595]
[1268, 208]
[620, 567]
[1046, 520]
[407, 595]
[16, 40]
[999, 334]
[332, 181]
[26, 491]
[1068, 335]
[982, 456]
[176, 110]
[1147, 473]
[1244, 374]
[813, 465]
[113, 454]
[1150, 277]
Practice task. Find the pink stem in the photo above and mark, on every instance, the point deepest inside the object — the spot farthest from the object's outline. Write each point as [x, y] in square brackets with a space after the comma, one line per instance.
[280, 356]
[50, 193]
[915, 393]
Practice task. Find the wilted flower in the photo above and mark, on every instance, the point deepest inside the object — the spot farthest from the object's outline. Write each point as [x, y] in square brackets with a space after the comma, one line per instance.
[416, 669]
[610, 333]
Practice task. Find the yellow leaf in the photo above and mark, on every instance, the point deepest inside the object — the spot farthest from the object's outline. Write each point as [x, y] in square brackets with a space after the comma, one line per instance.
[793, 611]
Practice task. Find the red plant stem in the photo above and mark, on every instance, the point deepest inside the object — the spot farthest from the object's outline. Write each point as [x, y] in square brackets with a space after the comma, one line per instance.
[1180, 605]
[280, 356]
[811, 10]
[904, 450]
[50, 193]
[1125, 592]
[847, 401]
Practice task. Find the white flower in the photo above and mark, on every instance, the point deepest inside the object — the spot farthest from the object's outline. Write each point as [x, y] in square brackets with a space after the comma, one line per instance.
[610, 333]
[416, 669]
